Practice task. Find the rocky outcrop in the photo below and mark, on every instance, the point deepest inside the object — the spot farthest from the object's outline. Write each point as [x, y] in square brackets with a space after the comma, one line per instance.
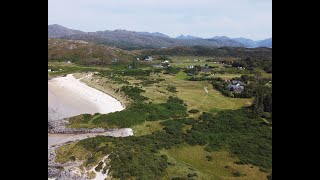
[59, 127]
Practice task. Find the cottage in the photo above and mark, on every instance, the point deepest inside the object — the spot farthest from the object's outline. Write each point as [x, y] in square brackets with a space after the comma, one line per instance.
[166, 61]
[237, 83]
[149, 58]
[235, 88]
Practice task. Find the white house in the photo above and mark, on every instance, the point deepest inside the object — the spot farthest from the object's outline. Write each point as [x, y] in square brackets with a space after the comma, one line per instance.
[149, 58]
[166, 61]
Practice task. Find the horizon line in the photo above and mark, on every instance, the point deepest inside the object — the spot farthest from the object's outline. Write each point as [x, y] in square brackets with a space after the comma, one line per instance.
[163, 33]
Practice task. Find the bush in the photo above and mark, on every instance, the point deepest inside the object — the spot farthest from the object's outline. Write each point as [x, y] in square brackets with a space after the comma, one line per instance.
[172, 89]
[99, 167]
[190, 175]
[134, 93]
[209, 158]
[193, 111]
[236, 174]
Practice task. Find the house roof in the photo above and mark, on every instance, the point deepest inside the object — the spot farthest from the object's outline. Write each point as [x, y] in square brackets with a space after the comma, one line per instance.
[234, 82]
[235, 88]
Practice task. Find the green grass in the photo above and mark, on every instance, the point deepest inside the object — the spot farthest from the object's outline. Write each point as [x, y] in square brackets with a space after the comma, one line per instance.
[193, 93]
[148, 127]
[228, 76]
[64, 68]
[192, 159]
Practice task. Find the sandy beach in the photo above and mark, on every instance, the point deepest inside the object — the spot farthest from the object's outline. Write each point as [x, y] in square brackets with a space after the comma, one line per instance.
[67, 97]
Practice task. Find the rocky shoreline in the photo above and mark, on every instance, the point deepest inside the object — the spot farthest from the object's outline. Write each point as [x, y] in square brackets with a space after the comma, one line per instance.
[59, 171]
[66, 171]
[59, 127]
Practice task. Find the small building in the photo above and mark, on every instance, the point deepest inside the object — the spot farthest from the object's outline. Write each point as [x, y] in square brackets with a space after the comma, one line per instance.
[68, 62]
[138, 59]
[190, 74]
[130, 67]
[49, 70]
[195, 60]
[190, 67]
[237, 83]
[235, 88]
[166, 61]
[149, 58]
[114, 60]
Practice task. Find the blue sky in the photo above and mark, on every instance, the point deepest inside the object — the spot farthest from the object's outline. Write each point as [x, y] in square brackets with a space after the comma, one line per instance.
[204, 18]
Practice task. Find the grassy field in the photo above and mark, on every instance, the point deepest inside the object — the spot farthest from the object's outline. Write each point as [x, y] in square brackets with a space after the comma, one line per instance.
[184, 61]
[194, 94]
[192, 159]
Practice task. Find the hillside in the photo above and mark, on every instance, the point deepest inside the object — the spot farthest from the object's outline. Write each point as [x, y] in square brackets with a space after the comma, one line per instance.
[265, 43]
[84, 52]
[261, 53]
[135, 40]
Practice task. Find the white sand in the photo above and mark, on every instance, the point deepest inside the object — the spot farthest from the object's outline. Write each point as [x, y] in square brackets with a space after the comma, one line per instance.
[67, 97]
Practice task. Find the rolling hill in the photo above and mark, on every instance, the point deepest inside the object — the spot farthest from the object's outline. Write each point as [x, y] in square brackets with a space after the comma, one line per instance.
[85, 53]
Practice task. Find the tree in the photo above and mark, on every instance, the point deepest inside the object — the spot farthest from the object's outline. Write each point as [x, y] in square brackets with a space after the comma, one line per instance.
[258, 105]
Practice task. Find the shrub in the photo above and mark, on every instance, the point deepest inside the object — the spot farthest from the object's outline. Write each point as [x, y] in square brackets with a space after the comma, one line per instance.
[193, 111]
[172, 89]
[209, 158]
[99, 167]
[236, 174]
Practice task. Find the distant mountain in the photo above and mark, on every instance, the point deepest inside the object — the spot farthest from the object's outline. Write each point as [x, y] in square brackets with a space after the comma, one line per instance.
[227, 41]
[187, 37]
[246, 42]
[265, 43]
[154, 34]
[251, 43]
[138, 40]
